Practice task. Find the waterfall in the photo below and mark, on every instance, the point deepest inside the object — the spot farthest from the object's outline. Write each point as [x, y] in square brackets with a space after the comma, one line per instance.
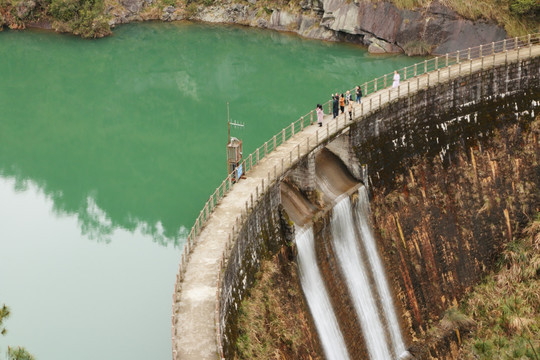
[317, 297]
[357, 280]
[362, 218]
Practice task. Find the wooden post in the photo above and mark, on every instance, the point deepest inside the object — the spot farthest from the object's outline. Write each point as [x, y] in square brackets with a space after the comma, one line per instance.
[438, 76]
[405, 73]
[311, 118]
[504, 45]
[481, 52]
[385, 80]
[446, 64]
[375, 85]
[469, 54]
[266, 148]
[457, 56]
[493, 47]
[250, 162]
[257, 155]
[415, 70]
[274, 143]
[301, 123]
[425, 66]
[282, 136]
[292, 129]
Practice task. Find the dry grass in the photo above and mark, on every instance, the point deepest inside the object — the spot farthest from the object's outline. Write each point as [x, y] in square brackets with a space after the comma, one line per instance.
[506, 307]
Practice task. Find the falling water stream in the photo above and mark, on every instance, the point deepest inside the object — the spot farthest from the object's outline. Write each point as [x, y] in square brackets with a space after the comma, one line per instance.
[317, 297]
[357, 279]
[362, 219]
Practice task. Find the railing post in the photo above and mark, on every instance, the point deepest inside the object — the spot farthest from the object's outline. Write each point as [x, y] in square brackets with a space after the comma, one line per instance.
[375, 86]
[405, 73]
[469, 54]
[425, 66]
[329, 107]
[301, 123]
[446, 63]
[415, 70]
[266, 148]
[250, 162]
[504, 45]
[438, 76]
[385, 80]
[408, 88]
[437, 62]
[481, 52]
[292, 129]
[365, 92]
[257, 155]
[274, 148]
[428, 80]
[515, 43]
[493, 47]
[282, 136]
[362, 109]
[457, 56]
[311, 118]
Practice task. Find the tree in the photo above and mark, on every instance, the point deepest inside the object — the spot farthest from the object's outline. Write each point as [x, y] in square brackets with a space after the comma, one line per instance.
[18, 353]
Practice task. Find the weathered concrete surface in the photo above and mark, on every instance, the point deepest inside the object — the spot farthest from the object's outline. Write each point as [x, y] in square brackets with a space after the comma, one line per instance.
[195, 334]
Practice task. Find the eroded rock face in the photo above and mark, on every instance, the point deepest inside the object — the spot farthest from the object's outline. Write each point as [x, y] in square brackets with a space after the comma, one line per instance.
[437, 28]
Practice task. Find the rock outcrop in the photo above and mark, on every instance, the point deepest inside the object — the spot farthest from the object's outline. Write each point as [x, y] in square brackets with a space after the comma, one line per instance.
[381, 26]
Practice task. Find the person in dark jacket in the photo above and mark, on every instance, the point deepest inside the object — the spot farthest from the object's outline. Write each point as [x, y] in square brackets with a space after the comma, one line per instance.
[358, 94]
[335, 105]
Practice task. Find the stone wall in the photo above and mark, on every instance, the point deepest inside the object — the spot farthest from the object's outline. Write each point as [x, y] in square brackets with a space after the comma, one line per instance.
[263, 233]
[441, 115]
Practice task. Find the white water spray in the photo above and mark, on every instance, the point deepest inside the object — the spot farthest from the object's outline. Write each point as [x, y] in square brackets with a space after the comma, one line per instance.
[317, 297]
[362, 218]
[357, 279]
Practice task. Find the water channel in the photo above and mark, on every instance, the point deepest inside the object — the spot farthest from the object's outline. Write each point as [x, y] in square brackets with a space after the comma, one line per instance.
[108, 151]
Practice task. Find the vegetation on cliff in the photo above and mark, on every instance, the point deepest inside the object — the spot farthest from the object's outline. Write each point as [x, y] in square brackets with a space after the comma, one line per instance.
[506, 306]
[90, 18]
[272, 319]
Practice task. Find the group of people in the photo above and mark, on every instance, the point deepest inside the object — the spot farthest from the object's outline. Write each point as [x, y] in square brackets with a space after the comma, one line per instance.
[340, 101]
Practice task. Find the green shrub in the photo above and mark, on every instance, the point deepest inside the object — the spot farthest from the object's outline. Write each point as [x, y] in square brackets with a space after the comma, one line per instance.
[82, 17]
[525, 7]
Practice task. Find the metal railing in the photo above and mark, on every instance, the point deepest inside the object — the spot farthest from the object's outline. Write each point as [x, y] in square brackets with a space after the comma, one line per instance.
[487, 54]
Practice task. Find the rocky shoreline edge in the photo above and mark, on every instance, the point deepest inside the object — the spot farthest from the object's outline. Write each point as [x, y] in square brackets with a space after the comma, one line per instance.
[381, 26]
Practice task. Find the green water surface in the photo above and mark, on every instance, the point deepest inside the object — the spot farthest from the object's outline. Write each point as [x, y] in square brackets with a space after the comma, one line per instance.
[108, 151]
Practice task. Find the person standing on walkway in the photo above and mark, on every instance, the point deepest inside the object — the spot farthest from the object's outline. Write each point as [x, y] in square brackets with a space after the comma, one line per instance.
[342, 103]
[349, 109]
[358, 94]
[320, 114]
[395, 84]
[335, 105]
[347, 97]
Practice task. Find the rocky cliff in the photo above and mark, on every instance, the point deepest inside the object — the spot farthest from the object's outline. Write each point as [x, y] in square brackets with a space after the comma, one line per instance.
[381, 26]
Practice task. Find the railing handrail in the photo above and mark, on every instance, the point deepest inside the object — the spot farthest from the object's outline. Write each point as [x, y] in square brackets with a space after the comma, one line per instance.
[369, 87]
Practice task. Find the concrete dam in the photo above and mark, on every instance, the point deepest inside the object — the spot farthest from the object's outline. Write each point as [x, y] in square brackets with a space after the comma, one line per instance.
[397, 212]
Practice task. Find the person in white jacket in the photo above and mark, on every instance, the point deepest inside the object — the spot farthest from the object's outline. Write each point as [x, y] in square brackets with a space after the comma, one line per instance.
[395, 84]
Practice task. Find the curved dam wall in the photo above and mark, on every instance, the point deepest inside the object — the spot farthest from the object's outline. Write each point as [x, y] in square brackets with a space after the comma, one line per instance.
[421, 258]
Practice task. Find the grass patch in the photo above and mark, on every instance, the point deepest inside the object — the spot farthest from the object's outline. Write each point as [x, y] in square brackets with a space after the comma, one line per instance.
[506, 307]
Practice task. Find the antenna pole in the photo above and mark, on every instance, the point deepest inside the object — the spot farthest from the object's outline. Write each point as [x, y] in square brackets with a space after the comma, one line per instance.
[228, 126]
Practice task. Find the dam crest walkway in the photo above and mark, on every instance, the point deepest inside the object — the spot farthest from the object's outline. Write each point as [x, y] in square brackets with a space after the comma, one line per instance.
[195, 333]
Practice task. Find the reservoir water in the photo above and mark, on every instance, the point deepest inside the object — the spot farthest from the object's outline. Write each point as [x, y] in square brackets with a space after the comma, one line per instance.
[108, 151]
